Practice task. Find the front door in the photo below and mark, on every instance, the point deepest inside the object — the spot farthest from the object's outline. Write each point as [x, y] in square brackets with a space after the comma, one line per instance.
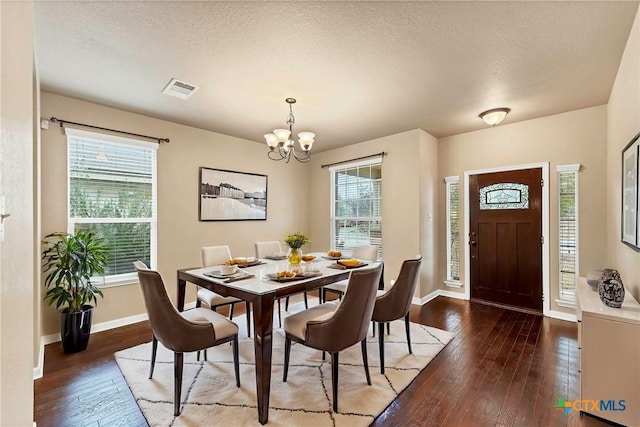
[505, 219]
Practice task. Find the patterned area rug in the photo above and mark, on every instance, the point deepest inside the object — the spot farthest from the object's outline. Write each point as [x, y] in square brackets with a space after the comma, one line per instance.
[210, 397]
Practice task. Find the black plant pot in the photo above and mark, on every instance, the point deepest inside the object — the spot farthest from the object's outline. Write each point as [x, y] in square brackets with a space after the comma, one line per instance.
[75, 329]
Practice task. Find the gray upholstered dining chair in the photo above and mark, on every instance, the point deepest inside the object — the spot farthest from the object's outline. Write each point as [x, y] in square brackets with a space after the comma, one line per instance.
[334, 327]
[191, 330]
[268, 248]
[365, 253]
[209, 257]
[394, 303]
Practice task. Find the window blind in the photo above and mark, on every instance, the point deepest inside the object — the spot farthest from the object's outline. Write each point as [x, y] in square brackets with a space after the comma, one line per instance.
[111, 192]
[568, 233]
[453, 230]
[356, 218]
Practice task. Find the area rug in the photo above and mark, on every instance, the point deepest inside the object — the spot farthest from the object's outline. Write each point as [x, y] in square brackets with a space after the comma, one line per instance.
[211, 398]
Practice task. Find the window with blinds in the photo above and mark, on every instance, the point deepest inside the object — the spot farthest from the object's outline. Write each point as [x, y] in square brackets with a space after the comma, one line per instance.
[568, 231]
[453, 228]
[356, 211]
[112, 192]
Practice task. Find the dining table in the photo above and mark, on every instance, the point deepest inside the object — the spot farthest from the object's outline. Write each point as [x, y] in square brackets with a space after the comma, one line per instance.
[258, 285]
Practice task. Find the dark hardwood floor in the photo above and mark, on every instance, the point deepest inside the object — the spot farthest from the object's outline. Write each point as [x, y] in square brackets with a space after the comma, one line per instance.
[503, 368]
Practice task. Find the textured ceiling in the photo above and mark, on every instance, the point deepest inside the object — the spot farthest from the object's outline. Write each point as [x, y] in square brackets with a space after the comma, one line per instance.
[359, 70]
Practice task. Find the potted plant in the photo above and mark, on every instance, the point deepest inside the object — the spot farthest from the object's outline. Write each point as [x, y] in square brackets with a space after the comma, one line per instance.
[69, 261]
[295, 241]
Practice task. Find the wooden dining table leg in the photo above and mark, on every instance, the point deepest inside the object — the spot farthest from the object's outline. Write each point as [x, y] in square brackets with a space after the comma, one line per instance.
[263, 346]
[182, 288]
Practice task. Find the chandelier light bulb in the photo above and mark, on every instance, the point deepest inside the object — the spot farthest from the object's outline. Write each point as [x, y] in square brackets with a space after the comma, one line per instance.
[282, 135]
[306, 140]
[272, 141]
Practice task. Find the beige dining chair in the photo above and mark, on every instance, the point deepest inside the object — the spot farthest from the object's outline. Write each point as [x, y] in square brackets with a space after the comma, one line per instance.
[394, 303]
[333, 327]
[268, 248]
[211, 256]
[365, 253]
[192, 330]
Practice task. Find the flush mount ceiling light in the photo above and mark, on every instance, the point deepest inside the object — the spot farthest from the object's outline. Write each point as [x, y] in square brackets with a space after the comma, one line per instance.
[281, 147]
[495, 116]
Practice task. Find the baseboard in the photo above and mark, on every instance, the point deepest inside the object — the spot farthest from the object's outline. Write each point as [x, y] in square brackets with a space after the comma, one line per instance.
[112, 324]
[451, 294]
[563, 316]
[38, 371]
[437, 293]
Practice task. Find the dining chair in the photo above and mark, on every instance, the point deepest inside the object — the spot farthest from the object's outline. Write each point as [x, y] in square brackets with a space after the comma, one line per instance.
[365, 253]
[211, 256]
[192, 330]
[268, 248]
[395, 302]
[333, 327]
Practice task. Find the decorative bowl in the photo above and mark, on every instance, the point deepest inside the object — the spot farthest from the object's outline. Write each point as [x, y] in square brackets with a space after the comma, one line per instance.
[228, 269]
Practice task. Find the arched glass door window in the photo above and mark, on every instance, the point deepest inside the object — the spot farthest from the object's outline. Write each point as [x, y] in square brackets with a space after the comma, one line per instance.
[504, 195]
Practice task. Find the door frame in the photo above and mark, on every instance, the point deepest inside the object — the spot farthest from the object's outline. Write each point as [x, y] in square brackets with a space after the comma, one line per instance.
[546, 304]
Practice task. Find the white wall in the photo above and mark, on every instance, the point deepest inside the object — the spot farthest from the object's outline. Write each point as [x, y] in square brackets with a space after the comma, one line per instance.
[17, 261]
[623, 122]
[430, 211]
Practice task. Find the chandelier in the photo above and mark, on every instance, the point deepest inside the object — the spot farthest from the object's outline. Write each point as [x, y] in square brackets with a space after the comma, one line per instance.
[282, 147]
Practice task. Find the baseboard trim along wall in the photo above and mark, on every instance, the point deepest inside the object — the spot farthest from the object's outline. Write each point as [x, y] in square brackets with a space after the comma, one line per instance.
[563, 316]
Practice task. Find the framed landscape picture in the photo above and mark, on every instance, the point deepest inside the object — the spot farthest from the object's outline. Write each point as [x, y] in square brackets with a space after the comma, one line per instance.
[630, 212]
[232, 196]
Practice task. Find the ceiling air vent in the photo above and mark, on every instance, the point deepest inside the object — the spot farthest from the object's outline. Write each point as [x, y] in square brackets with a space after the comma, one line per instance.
[179, 89]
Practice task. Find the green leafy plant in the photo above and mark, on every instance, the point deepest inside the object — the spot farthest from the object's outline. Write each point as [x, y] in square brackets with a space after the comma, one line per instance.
[70, 260]
[296, 240]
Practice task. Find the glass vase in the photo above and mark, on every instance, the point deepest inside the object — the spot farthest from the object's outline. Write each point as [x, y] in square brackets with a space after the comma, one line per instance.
[294, 256]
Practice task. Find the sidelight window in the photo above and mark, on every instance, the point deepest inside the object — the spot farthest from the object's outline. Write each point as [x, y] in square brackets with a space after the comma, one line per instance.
[568, 233]
[453, 231]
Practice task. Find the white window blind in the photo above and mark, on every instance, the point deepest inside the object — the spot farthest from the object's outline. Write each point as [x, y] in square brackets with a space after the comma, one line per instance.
[356, 208]
[112, 192]
[568, 231]
[453, 228]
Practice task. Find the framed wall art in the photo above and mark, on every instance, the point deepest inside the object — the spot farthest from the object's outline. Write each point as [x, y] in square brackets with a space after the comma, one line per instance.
[630, 212]
[232, 196]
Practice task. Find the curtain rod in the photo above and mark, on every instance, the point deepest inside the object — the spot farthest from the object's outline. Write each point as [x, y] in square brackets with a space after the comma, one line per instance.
[380, 154]
[62, 123]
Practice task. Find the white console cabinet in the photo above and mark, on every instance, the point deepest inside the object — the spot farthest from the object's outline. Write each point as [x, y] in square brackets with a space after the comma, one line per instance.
[609, 346]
